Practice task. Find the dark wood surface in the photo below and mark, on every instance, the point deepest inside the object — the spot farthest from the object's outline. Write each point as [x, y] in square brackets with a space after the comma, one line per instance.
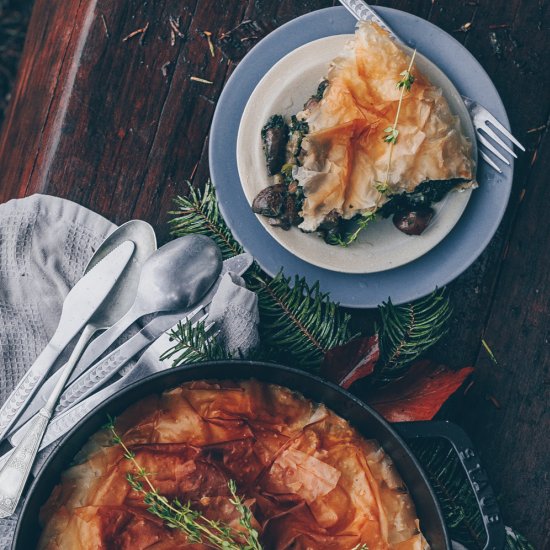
[118, 126]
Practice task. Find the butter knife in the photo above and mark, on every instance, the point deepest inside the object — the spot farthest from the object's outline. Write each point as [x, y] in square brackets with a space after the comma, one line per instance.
[79, 305]
[98, 374]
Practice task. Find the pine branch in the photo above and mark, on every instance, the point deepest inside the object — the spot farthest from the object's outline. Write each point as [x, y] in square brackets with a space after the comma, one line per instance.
[298, 322]
[516, 541]
[199, 213]
[408, 330]
[457, 498]
[451, 486]
[193, 344]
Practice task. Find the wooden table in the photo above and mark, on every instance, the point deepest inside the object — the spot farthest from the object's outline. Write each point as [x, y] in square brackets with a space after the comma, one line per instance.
[105, 114]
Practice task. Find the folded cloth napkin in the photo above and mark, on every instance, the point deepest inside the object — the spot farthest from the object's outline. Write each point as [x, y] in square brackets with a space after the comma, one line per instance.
[234, 311]
[45, 245]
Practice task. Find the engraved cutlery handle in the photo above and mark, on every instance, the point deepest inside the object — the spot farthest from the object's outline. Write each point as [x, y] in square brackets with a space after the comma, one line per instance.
[64, 422]
[16, 470]
[92, 379]
[26, 387]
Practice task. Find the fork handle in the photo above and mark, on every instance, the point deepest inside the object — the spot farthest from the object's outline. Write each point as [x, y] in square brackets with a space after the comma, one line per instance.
[16, 470]
[64, 422]
[363, 12]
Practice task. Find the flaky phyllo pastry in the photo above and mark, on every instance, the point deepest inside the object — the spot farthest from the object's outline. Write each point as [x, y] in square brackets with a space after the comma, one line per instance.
[333, 162]
[344, 156]
[309, 479]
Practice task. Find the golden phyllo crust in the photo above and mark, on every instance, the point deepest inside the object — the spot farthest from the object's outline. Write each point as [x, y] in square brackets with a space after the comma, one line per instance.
[310, 480]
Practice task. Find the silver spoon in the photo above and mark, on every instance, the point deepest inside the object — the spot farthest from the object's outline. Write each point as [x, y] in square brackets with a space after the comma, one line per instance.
[120, 300]
[173, 278]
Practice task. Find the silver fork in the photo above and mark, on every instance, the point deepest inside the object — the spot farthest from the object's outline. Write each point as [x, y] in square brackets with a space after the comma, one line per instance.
[482, 119]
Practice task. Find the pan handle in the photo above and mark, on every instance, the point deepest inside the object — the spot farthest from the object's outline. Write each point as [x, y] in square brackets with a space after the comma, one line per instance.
[477, 477]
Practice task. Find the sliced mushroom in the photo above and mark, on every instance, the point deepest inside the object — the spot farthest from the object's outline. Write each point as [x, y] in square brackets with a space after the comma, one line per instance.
[270, 201]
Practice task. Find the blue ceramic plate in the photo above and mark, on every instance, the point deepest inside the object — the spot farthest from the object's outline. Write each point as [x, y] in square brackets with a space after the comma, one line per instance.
[411, 281]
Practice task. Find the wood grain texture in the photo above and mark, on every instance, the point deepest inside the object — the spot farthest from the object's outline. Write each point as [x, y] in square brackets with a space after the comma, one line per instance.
[118, 126]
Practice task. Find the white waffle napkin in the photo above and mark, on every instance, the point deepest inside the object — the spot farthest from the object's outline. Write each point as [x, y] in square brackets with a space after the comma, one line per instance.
[45, 245]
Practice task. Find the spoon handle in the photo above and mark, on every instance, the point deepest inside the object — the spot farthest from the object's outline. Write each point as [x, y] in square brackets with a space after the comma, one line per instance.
[100, 345]
[28, 385]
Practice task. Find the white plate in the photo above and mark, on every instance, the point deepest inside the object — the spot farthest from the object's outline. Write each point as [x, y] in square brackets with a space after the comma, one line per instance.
[284, 90]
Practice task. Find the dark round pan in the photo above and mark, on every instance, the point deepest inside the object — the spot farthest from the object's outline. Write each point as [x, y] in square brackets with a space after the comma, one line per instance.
[362, 417]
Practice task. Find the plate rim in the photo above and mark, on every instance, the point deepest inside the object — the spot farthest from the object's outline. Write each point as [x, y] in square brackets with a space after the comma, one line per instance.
[335, 265]
[355, 291]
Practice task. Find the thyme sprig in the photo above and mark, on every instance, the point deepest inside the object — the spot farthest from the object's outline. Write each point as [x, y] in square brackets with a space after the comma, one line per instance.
[177, 515]
[392, 133]
[391, 136]
[361, 223]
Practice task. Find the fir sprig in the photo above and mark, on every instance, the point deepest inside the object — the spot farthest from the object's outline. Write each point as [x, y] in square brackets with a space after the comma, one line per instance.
[457, 499]
[449, 481]
[408, 330]
[298, 321]
[192, 344]
[199, 213]
[197, 527]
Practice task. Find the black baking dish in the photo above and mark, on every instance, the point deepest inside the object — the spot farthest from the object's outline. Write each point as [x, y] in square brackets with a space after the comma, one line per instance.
[361, 416]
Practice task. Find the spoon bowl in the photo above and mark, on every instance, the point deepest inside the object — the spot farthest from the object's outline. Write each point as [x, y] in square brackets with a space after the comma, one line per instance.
[178, 274]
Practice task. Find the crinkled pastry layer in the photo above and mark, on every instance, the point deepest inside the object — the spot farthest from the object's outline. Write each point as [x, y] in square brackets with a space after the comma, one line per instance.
[345, 157]
[310, 480]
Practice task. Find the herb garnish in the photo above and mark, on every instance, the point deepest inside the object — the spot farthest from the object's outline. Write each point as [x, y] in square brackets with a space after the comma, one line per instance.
[197, 527]
[407, 79]
[391, 136]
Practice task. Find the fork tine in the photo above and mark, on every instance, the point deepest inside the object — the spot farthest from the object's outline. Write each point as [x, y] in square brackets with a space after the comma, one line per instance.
[495, 137]
[200, 320]
[488, 160]
[500, 127]
[484, 141]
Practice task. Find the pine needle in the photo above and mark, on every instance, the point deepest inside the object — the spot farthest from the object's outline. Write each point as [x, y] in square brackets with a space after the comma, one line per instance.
[489, 352]
[193, 344]
[201, 80]
[409, 330]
